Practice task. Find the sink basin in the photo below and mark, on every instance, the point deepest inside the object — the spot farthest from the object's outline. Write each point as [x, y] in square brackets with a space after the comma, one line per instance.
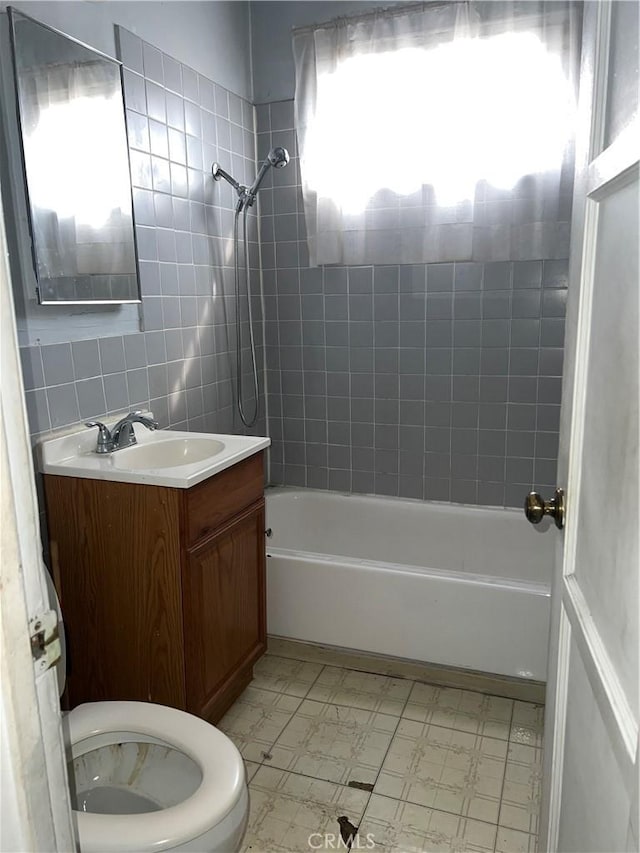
[175, 459]
[168, 453]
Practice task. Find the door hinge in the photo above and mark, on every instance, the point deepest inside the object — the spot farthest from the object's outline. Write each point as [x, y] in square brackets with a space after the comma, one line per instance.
[45, 641]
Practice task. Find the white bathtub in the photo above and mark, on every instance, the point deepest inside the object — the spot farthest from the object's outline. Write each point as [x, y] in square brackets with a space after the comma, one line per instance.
[452, 585]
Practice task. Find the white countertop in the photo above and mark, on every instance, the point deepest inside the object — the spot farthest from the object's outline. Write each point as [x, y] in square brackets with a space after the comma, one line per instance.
[74, 455]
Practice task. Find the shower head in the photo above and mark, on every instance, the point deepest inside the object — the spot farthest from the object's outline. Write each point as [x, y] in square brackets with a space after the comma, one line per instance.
[277, 157]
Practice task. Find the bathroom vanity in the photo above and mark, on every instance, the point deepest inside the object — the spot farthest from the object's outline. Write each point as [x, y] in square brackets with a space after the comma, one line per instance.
[162, 587]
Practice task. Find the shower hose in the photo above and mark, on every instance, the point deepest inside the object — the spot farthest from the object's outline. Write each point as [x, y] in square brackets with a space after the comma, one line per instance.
[242, 207]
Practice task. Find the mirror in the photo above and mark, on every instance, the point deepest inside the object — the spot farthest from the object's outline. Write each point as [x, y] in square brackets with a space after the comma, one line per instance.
[76, 164]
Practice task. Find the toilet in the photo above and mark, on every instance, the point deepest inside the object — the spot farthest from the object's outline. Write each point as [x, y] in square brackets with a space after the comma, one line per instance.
[146, 777]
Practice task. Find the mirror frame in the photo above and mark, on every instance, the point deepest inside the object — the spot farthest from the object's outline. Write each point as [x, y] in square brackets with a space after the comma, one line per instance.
[12, 12]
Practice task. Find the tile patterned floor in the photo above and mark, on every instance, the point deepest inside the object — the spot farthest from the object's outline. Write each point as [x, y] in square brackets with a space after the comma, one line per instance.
[410, 767]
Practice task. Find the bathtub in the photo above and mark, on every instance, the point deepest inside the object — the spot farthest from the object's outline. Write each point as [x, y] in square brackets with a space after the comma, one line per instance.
[451, 585]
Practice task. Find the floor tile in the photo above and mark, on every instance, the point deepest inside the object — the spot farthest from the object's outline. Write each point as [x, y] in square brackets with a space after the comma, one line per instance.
[289, 812]
[256, 719]
[512, 841]
[527, 724]
[520, 806]
[361, 690]
[444, 769]
[335, 743]
[251, 768]
[397, 827]
[464, 710]
[284, 675]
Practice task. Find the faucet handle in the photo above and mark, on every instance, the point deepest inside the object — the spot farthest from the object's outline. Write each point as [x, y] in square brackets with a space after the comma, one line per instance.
[104, 436]
[98, 424]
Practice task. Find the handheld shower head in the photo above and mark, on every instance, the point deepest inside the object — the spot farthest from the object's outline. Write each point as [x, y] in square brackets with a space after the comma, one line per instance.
[277, 157]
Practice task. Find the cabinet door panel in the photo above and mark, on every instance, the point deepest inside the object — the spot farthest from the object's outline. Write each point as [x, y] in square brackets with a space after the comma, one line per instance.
[115, 552]
[224, 610]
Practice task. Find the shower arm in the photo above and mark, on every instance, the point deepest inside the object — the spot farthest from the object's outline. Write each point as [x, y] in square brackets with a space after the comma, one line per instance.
[245, 195]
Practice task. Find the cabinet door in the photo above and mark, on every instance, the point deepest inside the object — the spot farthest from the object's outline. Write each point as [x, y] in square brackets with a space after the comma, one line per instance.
[115, 551]
[224, 612]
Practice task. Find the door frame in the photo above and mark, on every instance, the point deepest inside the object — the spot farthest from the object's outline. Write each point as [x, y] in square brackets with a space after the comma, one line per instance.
[35, 803]
[596, 171]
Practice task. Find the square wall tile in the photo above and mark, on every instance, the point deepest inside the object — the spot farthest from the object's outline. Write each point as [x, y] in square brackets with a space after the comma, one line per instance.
[32, 369]
[57, 363]
[153, 69]
[38, 411]
[129, 49]
[91, 398]
[63, 405]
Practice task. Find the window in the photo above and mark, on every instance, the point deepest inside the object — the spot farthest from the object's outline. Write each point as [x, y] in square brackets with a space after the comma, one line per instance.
[403, 121]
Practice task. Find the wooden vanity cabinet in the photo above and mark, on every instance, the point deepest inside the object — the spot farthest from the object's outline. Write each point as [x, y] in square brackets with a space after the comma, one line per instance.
[162, 590]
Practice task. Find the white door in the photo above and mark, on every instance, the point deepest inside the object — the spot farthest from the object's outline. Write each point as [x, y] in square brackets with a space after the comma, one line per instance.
[34, 796]
[590, 785]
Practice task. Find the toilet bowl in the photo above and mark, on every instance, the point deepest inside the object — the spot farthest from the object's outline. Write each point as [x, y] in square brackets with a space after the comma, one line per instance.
[146, 777]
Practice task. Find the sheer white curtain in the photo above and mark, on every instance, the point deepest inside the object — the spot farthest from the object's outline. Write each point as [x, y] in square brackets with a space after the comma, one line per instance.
[438, 132]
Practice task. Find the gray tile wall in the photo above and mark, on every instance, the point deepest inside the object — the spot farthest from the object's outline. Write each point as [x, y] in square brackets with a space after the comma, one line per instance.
[182, 365]
[437, 381]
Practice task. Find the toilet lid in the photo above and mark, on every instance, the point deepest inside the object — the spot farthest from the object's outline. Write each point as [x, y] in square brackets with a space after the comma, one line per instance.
[223, 778]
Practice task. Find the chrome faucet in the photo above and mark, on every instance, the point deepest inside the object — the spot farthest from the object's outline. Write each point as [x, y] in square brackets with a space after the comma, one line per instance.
[122, 435]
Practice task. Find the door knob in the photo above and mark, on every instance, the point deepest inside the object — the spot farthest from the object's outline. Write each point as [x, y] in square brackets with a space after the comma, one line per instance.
[535, 508]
